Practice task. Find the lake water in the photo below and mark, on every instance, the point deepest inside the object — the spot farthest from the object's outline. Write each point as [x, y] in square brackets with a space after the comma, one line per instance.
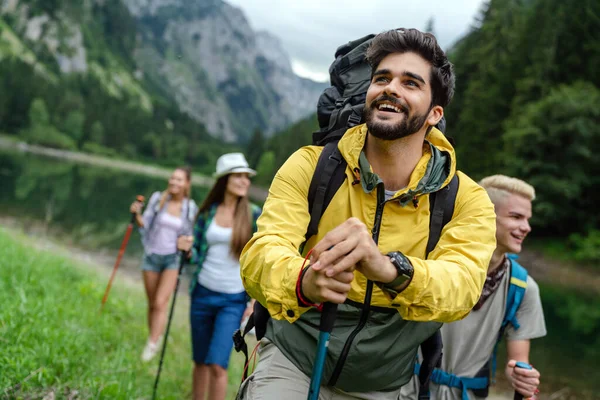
[83, 205]
[87, 207]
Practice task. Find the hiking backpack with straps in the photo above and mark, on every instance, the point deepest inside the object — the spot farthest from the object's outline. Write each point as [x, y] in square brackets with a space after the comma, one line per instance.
[339, 108]
[480, 383]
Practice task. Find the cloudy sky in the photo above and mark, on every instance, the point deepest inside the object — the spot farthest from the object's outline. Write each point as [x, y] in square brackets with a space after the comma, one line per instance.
[311, 30]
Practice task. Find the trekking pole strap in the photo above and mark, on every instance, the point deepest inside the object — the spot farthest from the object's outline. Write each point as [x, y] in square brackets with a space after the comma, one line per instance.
[240, 344]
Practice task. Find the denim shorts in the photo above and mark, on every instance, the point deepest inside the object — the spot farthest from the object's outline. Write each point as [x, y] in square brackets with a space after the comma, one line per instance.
[214, 317]
[160, 262]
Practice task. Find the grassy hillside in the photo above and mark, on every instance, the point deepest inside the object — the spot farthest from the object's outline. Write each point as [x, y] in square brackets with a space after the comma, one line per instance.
[54, 339]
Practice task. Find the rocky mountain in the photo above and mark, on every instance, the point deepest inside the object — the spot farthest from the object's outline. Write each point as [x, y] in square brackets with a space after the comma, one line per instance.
[201, 55]
[206, 56]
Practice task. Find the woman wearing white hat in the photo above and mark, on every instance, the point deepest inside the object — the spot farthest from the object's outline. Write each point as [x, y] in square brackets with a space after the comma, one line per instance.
[226, 221]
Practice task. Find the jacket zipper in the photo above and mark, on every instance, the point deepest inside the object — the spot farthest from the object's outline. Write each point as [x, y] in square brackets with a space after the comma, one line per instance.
[364, 315]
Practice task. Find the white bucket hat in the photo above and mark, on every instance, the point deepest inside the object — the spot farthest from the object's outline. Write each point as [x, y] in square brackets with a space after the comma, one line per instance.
[231, 163]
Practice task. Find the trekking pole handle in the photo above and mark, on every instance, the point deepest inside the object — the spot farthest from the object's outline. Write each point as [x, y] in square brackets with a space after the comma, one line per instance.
[140, 199]
[521, 364]
[328, 314]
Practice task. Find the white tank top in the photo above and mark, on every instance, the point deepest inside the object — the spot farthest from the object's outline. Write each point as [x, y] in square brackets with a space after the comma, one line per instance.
[220, 271]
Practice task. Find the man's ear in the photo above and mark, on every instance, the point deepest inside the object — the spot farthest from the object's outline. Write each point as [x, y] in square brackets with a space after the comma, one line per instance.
[435, 114]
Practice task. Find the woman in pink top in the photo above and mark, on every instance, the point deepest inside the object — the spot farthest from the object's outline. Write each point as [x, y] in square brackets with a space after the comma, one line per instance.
[169, 214]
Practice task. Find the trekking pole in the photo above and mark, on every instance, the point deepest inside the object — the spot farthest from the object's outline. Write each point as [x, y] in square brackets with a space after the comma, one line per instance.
[328, 315]
[520, 364]
[139, 199]
[164, 347]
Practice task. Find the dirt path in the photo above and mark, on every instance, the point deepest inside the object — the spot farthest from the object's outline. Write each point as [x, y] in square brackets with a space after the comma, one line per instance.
[547, 270]
[101, 261]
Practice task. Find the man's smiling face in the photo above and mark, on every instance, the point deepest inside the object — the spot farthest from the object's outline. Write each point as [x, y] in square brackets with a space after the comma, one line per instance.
[398, 101]
[512, 222]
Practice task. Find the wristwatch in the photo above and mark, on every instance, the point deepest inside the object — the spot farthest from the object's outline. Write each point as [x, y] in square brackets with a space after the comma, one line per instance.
[403, 267]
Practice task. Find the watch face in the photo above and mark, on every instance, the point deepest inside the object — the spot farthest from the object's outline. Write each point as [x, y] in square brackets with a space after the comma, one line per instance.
[401, 264]
[404, 270]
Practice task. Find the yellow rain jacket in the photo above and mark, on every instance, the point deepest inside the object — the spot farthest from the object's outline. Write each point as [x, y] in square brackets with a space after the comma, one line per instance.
[374, 341]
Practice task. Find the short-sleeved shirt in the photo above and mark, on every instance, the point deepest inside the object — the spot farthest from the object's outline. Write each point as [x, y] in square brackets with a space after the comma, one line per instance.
[469, 343]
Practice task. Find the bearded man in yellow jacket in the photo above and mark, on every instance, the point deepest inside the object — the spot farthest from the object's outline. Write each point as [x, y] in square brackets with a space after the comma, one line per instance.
[369, 253]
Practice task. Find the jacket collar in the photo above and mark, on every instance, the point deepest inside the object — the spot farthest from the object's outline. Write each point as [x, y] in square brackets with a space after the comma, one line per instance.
[433, 171]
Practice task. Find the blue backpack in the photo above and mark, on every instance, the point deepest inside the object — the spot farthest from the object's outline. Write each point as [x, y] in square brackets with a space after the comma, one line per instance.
[481, 382]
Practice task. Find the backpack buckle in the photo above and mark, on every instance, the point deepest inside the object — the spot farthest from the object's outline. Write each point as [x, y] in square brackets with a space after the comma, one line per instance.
[332, 157]
[339, 103]
[353, 119]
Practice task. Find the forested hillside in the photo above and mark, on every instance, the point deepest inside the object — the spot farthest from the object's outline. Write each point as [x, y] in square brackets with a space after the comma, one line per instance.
[526, 104]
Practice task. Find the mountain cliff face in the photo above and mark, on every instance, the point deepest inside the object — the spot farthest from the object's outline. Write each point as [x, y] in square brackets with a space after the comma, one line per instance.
[201, 55]
[207, 57]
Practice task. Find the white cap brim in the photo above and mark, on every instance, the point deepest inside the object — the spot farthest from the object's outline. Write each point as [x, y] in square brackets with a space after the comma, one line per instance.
[249, 171]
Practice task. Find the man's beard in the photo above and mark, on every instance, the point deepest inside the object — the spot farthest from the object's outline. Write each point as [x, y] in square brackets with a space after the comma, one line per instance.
[385, 131]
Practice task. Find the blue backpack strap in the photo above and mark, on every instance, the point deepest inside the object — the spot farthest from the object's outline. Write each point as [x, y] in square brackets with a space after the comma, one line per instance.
[516, 291]
[447, 379]
[514, 298]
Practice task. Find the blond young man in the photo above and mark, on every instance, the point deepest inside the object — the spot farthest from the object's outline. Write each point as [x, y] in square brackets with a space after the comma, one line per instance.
[468, 344]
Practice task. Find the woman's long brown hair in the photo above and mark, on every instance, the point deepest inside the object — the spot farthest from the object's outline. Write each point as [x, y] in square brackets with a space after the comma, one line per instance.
[188, 175]
[242, 223]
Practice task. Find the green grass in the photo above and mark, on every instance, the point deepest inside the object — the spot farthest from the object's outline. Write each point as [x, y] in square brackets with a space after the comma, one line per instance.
[52, 337]
[10, 138]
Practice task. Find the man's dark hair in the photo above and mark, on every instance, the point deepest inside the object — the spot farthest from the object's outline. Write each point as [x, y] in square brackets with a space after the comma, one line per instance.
[423, 44]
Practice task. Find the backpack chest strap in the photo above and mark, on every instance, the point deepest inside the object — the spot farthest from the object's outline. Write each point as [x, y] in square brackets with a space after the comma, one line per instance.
[464, 384]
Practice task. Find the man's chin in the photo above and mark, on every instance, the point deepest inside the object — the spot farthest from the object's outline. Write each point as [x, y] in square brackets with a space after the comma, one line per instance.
[515, 248]
[387, 131]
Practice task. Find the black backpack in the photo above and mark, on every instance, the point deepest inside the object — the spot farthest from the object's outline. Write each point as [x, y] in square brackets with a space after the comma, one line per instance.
[340, 107]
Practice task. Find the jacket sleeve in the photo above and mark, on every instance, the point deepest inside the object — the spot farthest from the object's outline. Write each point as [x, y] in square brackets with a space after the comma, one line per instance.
[270, 261]
[199, 231]
[256, 211]
[447, 285]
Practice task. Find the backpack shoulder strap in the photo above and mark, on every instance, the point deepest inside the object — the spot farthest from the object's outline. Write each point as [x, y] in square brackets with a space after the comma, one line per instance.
[154, 205]
[329, 175]
[441, 207]
[516, 291]
[514, 297]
